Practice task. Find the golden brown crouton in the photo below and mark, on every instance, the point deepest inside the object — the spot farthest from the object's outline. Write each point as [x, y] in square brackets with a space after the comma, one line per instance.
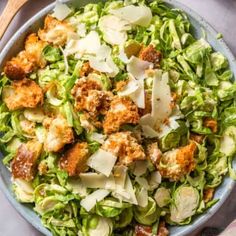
[211, 123]
[122, 111]
[90, 98]
[143, 230]
[23, 165]
[86, 70]
[197, 137]
[125, 147]
[22, 94]
[55, 31]
[162, 230]
[120, 85]
[59, 134]
[208, 194]
[75, 159]
[34, 48]
[153, 153]
[150, 54]
[177, 163]
[18, 67]
[26, 61]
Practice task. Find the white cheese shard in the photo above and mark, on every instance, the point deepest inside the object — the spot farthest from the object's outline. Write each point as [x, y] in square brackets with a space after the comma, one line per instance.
[102, 161]
[103, 61]
[137, 15]
[120, 174]
[90, 44]
[161, 97]
[149, 132]
[61, 11]
[137, 67]
[135, 90]
[114, 29]
[154, 179]
[90, 201]
[126, 193]
[94, 180]
[140, 168]
[100, 138]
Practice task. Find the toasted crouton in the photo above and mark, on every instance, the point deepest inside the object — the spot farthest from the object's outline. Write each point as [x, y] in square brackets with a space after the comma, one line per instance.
[86, 70]
[59, 134]
[27, 60]
[22, 94]
[23, 165]
[150, 54]
[90, 98]
[55, 31]
[153, 153]
[197, 137]
[211, 123]
[122, 111]
[177, 163]
[208, 194]
[34, 48]
[125, 147]
[75, 159]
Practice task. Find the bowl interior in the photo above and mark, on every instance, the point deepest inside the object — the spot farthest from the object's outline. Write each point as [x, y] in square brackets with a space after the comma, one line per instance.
[198, 25]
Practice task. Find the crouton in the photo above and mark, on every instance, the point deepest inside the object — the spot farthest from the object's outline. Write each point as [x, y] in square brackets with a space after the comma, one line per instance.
[125, 147]
[58, 135]
[90, 98]
[22, 94]
[24, 163]
[86, 70]
[143, 230]
[153, 153]
[55, 31]
[208, 194]
[178, 162]
[74, 161]
[162, 230]
[211, 123]
[150, 54]
[34, 48]
[197, 137]
[18, 67]
[27, 60]
[122, 111]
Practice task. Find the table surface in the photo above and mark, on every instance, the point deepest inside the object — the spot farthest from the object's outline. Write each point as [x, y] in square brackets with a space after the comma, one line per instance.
[220, 14]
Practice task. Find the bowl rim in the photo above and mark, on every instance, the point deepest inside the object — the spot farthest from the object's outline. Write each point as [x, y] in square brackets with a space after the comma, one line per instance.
[205, 25]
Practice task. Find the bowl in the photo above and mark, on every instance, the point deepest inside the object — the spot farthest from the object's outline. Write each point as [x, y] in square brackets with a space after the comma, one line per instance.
[198, 26]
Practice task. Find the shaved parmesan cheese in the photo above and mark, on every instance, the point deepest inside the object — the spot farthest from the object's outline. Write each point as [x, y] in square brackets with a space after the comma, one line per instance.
[61, 11]
[102, 162]
[94, 180]
[120, 173]
[122, 55]
[138, 15]
[100, 138]
[147, 120]
[90, 201]
[161, 97]
[142, 197]
[140, 168]
[138, 96]
[114, 33]
[90, 44]
[149, 132]
[129, 189]
[131, 87]
[77, 187]
[103, 61]
[137, 67]
[155, 179]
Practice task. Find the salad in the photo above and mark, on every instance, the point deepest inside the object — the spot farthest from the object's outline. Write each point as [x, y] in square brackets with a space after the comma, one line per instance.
[116, 120]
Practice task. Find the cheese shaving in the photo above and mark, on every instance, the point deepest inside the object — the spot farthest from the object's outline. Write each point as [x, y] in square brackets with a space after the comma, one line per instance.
[90, 201]
[61, 11]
